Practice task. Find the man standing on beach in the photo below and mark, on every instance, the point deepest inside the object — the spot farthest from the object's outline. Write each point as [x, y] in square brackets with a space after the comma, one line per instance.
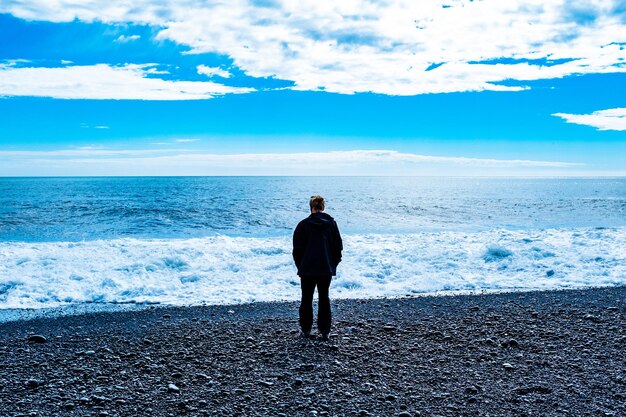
[317, 250]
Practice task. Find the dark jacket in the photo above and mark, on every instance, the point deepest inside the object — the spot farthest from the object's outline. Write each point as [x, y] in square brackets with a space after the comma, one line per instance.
[317, 245]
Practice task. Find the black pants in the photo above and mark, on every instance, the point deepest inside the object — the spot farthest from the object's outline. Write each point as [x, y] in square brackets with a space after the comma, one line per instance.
[324, 316]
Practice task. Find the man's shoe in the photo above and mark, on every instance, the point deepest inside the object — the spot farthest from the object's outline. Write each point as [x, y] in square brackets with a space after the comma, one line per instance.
[305, 335]
[325, 337]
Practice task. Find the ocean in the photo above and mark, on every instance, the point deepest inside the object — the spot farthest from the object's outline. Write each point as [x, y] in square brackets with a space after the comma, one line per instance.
[223, 240]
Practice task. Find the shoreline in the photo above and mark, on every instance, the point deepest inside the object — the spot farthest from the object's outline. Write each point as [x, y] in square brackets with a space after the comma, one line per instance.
[76, 309]
[515, 353]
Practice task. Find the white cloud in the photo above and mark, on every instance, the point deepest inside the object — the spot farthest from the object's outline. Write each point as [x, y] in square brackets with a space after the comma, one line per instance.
[611, 119]
[89, 147]
[96, 161]
[175, 141]
[362, 156]
[211, 71]
[384, 47]
[103, 81]
[125, 39]
[13, 62]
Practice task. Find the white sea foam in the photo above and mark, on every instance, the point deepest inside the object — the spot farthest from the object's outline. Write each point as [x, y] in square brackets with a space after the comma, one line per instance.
[223, 270]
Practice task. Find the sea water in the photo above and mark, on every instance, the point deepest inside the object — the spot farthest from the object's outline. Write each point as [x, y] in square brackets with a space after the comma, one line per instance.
[222, 240]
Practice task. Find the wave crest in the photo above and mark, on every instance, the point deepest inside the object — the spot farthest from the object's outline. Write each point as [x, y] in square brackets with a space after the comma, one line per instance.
[224, 270]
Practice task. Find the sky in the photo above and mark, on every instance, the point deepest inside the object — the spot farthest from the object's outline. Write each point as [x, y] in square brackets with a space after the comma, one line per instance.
[269, 87]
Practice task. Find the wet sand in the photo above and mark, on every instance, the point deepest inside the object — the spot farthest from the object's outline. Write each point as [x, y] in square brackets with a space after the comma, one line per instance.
[553, 353]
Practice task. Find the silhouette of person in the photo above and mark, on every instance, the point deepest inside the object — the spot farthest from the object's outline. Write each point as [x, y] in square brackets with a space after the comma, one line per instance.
[317, 250]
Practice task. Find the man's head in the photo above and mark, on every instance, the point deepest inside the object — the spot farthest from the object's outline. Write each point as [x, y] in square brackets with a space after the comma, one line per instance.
[317, 204]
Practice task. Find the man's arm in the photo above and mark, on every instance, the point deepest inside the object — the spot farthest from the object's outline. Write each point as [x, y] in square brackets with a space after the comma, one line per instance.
[298, 244]
[338, 245]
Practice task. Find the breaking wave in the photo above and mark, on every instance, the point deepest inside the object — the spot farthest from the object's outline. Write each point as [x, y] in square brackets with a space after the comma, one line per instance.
[225, 270]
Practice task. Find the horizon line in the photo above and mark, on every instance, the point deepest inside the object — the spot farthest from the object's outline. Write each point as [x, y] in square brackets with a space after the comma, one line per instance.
[616, 176]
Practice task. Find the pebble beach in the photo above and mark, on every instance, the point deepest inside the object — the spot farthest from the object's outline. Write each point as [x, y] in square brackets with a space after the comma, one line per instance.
[552, 353]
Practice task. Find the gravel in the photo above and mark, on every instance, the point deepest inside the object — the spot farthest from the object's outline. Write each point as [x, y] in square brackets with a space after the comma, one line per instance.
[554, 353]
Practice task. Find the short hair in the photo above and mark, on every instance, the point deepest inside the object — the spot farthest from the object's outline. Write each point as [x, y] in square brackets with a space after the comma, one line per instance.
[317, 203]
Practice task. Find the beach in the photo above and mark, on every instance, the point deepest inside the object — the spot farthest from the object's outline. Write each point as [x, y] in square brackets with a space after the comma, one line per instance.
[182, 181]
[551, 353]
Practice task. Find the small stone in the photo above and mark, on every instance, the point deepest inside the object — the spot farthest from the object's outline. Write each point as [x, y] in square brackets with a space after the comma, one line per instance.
[389, 328]
[37, 338]
[173, 388]
[167, 316]
[177, 375]
[550, 272]
[390, 397]
[405, 414]
[471, 390]
[98, 399]
[530, 390]
[147, 341]
[592, 318]
[363, 413]
[297, 382]
[509, 343]
[33, 383]
[266, 383]
[508, 366]
[90, 353]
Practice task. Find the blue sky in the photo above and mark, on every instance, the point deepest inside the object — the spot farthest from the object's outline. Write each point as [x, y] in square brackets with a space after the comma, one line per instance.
[273, 88]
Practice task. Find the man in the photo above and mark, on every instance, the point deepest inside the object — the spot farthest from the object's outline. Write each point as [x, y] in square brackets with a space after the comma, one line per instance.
[317, 250]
